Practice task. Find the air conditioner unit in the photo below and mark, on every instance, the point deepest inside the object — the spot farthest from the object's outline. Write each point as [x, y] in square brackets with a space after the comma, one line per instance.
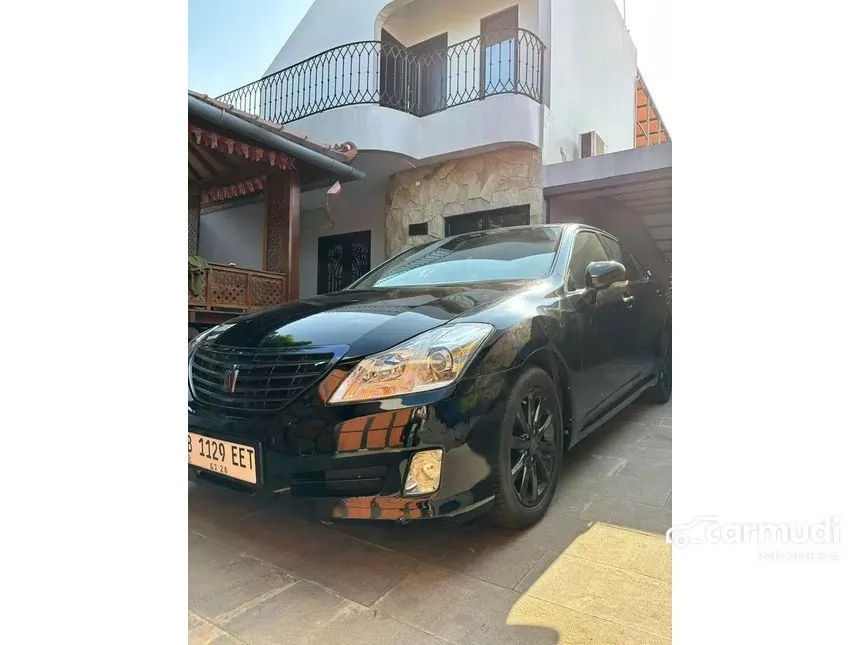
[591, 145]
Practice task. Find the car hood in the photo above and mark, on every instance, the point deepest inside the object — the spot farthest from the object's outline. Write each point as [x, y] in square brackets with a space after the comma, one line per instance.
[368, 321]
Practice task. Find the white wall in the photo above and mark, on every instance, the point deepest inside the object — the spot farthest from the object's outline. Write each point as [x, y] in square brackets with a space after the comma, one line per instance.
[359, 207]
[234, 234]
[423, 19]
[502, 119]
[327, 24]
[593, 78]
[331, 23]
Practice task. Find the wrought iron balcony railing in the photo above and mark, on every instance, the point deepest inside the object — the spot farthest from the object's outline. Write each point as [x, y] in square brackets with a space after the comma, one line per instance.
[390, 75]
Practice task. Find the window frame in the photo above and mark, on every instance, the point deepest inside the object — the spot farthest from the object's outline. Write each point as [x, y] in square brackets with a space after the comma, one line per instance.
[485, 217]
[567, 271]
[485, 32]
[643, 275]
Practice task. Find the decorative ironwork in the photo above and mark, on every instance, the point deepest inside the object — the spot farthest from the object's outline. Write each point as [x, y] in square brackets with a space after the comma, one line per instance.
[228, 288]
[360, 259]
[342, 259]
[510, 62]
[334, 269]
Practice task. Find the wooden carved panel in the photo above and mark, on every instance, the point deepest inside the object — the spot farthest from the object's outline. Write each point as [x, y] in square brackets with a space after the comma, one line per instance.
[228, 289]
[193, 224]
[265, 291]
[276, 223]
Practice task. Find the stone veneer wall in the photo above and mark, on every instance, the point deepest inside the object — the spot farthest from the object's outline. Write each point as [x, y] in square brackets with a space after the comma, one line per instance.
[506, 177]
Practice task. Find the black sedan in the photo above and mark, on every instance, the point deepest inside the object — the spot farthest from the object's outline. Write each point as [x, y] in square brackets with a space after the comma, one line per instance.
[448, 381]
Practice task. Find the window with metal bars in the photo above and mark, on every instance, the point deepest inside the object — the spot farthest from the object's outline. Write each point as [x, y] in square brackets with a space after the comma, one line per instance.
[499, 51]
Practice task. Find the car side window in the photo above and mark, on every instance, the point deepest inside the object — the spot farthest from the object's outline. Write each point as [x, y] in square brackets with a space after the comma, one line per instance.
[620, 254]
[586, 249]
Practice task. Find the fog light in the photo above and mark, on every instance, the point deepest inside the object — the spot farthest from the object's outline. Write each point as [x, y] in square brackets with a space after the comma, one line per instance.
[425, 470]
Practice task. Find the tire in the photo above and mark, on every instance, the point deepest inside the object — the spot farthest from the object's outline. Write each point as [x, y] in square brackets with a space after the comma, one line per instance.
[536, 455]
[661, 392]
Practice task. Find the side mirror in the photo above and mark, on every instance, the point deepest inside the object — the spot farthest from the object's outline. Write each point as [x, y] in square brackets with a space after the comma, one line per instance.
[600, 275]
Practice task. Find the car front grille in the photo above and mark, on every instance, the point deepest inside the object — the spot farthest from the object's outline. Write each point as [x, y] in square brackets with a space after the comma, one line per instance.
[261, 380]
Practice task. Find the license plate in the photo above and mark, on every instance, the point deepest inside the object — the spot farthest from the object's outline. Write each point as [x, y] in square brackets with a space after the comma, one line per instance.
[223, 457]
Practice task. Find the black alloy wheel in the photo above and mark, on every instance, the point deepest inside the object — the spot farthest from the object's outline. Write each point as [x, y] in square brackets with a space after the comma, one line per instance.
[530, 451]
[533, 448]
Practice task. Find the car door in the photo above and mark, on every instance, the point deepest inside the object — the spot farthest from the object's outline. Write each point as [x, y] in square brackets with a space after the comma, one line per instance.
[645, 314]
[599, 315]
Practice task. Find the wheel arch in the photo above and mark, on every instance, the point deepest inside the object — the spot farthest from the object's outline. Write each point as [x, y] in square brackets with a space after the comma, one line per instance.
[551, 363]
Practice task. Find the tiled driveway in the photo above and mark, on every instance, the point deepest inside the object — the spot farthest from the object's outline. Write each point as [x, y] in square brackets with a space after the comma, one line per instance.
[593, 571]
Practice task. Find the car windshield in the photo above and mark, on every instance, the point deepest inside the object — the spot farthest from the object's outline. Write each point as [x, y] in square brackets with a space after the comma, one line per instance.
[487, 256]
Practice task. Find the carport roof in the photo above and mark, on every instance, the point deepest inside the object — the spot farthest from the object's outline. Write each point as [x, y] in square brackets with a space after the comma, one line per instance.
[639, 180]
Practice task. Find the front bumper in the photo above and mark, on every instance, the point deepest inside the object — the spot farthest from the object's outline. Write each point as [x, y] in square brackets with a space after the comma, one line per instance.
[351, 461]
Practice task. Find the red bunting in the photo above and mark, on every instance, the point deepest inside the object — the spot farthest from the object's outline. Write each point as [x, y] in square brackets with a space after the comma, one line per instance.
[239, 189]
[240, 149]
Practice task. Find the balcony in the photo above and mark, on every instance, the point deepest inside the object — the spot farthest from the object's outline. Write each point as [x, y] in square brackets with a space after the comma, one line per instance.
[393, 76]
[233, 290]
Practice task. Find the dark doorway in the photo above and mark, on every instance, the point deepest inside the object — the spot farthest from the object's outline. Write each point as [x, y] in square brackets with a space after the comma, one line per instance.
[342, 260]
[394, 73]
[485, 220]
[431, 84]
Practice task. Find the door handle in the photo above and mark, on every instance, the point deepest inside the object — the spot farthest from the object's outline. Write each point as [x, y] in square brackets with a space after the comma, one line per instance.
[628, 301]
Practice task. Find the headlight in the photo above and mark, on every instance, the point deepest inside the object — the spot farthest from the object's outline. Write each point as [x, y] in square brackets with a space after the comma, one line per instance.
[429, 361]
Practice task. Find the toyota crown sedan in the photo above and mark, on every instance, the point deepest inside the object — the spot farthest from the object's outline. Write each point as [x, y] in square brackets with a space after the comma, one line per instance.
[447, 382]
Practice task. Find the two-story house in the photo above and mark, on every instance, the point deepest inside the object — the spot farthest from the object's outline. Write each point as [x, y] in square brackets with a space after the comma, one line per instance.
[458, 108]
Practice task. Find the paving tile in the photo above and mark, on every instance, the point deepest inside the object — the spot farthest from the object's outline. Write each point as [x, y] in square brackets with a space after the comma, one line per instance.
[652, 450]
[221, 580]
[614, 634]
[659, 471]
[617, 595]
[293, 616]
[640, 517]
[652, 488]
[358, 625]
[202, 632]
[493, 554]
[356, 570]
[536, 571]
[570, 627]
[426, 541]
[609, 545]
[654, 558]
[216, 504]
[459, 608]
[557, 529]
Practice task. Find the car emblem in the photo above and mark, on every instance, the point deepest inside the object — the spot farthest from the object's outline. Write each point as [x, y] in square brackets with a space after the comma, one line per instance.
[230, 379]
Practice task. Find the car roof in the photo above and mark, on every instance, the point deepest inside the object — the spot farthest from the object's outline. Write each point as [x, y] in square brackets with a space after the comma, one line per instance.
[561, 225]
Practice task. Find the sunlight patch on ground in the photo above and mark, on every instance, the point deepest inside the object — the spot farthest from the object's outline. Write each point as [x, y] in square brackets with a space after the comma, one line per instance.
[611, 586]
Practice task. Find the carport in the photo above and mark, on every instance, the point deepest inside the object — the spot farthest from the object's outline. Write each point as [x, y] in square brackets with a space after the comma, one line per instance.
[627, 193]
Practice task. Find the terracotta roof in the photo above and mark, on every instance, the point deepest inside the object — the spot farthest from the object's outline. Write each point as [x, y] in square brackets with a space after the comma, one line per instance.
[342, 152]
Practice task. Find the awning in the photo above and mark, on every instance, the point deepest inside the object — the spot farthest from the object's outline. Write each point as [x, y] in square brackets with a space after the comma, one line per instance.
[316, 162]
[631, 189]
